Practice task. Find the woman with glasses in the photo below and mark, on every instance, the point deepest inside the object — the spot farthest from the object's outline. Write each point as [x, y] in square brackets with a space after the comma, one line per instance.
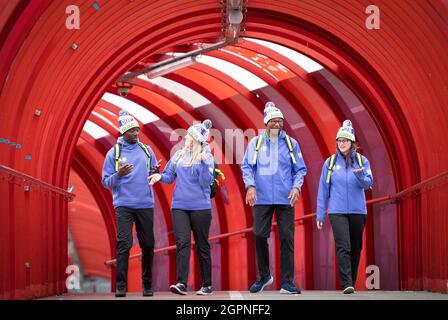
[345, 176]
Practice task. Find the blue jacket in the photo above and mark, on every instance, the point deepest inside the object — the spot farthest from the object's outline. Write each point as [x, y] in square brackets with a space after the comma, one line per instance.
[192, 191]
[345, 193]
[133, 190]
[274, 174]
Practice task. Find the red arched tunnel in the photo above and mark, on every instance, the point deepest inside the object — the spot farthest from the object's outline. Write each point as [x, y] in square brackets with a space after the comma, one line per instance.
[317, 61]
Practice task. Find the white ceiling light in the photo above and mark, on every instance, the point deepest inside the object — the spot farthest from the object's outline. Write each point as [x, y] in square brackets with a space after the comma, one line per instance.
[309, 65]
[133, 108]
[193, 98]
[94, 130]
[246, 78]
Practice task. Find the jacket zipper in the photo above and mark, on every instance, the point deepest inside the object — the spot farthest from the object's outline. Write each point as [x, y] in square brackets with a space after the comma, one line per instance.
[346, 187]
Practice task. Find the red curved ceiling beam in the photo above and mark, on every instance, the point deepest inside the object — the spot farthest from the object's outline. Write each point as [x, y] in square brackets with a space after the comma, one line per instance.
[84, 168]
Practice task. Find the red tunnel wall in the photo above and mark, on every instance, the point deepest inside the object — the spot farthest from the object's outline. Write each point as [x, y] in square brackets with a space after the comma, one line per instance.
[387, 68]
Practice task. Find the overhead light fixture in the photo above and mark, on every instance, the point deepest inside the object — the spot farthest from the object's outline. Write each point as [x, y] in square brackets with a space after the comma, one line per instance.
[123, 87]
[235, 12]
[176, 65]
[234, 17]
[233, 24]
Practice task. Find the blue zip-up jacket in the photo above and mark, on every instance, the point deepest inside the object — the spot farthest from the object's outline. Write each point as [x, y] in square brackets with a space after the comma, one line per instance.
[345, 193]
[274, 174]
[192, 191]
[132, 190]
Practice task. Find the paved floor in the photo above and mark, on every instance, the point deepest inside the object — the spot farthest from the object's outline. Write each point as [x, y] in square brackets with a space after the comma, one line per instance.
[265, 295]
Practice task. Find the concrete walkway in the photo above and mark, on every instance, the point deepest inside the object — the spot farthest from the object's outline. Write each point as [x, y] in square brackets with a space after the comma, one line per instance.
[265, 295]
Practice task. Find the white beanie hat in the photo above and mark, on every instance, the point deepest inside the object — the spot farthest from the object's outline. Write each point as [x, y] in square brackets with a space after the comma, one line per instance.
[346, 131]
[200, 131]
[271, 112]
[126, 121]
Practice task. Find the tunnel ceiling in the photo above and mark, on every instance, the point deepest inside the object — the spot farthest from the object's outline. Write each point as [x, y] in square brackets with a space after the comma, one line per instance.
[111, 43]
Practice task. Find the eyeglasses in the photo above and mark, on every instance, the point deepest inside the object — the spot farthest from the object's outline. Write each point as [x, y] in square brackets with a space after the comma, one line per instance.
[342, 140]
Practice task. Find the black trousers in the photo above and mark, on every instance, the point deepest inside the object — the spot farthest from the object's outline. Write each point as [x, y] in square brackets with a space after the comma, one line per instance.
[347, 232]
[262, 229]
[144, 219]
[198, 221]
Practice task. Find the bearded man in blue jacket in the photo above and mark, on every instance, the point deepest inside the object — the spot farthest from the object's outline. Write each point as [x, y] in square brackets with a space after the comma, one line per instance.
[125, 171]
[273, 173]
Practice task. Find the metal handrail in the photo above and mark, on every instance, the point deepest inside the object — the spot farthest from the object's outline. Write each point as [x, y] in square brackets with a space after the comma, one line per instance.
[27, 180]
[412, 189]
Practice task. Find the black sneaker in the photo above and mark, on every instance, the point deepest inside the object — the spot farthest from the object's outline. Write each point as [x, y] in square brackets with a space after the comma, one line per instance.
[260, 284]
[148, 292]
[348, 290]
[179, 288]
[120, 293]
[204, 291]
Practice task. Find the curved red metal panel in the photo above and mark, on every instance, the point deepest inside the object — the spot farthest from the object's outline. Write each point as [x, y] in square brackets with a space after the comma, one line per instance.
[404, 95]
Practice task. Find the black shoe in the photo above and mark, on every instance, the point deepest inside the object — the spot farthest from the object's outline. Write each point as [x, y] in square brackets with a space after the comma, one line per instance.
[120, 293]
[148, 292]
[289, 288]
[178, 288]
[205, 291]
[260, 284]
[348, 290]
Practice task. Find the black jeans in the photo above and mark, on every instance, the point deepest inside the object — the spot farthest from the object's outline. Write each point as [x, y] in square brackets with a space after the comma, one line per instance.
[143, 219]
[262, 229]
[198, 221]
[347, 232]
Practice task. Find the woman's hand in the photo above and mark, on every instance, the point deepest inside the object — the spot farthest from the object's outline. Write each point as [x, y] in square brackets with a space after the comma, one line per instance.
[154, 178]
[203, 156]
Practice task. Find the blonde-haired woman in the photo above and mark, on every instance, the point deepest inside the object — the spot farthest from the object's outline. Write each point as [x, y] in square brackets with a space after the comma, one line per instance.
[192, 168]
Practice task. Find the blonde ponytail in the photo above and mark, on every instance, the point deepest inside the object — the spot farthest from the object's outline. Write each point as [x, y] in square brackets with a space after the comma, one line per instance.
[195, 153]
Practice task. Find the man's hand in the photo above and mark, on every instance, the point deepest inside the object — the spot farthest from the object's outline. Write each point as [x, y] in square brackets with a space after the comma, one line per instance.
[294, 196]
[154, 178]
[251, 196]
[125, 170]
[319, 225]
[156, 168]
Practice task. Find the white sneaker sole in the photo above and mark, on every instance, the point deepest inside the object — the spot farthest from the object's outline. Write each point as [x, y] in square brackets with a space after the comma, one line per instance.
[176, 290]
[200, 293]
[284, 291]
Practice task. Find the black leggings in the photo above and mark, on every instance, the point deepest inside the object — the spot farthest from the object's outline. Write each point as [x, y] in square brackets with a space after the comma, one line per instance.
[198, 221]
[347, 232]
